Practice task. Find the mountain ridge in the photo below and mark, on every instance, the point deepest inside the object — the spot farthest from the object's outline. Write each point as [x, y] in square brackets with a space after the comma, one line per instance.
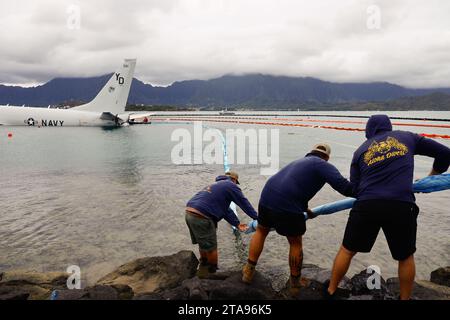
[232, 91]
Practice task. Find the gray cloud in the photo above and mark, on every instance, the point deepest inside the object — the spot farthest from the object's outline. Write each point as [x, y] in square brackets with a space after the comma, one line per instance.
[201, 39]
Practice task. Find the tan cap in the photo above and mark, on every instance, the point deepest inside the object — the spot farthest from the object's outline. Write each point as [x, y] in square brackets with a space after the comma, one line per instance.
[234, 175]
[323, 148]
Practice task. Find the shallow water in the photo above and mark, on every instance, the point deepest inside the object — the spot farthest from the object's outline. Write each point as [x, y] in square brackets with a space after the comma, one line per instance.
[99, 198]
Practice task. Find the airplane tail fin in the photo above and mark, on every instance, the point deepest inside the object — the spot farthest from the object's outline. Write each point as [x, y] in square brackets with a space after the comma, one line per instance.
[114, 95]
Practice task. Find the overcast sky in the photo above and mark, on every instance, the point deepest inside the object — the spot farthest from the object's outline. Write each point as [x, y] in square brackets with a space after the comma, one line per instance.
[404, 42]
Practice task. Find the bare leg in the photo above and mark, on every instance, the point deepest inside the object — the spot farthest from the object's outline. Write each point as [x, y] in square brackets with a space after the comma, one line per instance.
[212, 260]
[406, 275]
[203, 256]
[340, 268]
[295, 255]
[257, 243]
[256, 247]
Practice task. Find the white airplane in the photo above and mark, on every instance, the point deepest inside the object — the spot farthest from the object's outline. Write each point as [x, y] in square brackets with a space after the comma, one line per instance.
[107, 108]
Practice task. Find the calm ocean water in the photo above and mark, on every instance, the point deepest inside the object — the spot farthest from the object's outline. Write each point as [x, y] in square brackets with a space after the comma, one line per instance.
[99, 198]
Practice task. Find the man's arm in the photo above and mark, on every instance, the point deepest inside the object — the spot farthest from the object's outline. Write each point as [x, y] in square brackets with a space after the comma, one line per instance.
[334, 178]
[231, 218]
[433, 149]
[355, 172]
[311, 215]
[239, 198]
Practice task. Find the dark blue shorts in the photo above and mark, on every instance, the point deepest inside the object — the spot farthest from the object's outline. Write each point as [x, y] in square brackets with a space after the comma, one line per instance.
[285, 223]
[397, 219]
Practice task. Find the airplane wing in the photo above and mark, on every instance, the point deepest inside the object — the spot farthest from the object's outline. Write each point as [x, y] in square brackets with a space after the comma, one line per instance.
[141, 118]
[111, 117]
[131, 118]
[108, 116]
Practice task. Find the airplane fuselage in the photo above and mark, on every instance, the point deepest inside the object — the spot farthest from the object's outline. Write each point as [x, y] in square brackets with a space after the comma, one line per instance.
[44, 117]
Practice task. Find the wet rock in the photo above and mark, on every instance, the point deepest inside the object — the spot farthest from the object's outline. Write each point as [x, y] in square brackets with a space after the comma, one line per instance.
[8, 294]
[314, 279]
[195, 289]
[423, 290]
[233, 288]
[363, 297]
[173, 278]
[97, 292]
[220, 286]
[30, 285]
[441, 276]
[360, 286]
[312, 290]
[154, 274]
[179, 293]
[124, 292]
[315, 273]
[71, 294]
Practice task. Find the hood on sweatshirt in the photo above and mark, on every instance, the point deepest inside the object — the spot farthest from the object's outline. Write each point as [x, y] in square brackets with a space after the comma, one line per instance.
[222, 177]
[376, 124]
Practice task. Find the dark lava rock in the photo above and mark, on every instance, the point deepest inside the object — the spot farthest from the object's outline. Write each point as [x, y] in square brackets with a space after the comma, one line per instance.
[97, 292]
[314, 279]
[11, 294]
[311, 291]
[179, 293]
[220, 286]
[30, 285]
[233, 288]
[154, 274]
[441, 276]
[360, 286]
[423, 290]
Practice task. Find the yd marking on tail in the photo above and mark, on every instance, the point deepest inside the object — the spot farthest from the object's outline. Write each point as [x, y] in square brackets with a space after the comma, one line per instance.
[119, 79]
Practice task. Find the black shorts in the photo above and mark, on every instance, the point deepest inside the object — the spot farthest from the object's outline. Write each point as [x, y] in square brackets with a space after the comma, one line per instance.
[398, 220]
[285, 223]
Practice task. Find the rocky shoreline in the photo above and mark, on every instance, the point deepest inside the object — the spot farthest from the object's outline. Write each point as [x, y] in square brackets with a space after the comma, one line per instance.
[173, 278]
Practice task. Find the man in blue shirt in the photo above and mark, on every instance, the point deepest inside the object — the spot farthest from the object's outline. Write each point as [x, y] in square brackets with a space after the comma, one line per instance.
[206, 209]
[382, 171]
[283, 202]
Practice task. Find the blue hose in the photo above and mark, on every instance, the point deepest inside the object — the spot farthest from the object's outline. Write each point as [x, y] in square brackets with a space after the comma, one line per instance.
[426, 185]
[432, 183]
[226, 166]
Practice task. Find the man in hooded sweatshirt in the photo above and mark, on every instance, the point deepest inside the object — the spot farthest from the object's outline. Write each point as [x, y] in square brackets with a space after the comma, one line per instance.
[206, 209]
[382, 171]
[283, 202]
